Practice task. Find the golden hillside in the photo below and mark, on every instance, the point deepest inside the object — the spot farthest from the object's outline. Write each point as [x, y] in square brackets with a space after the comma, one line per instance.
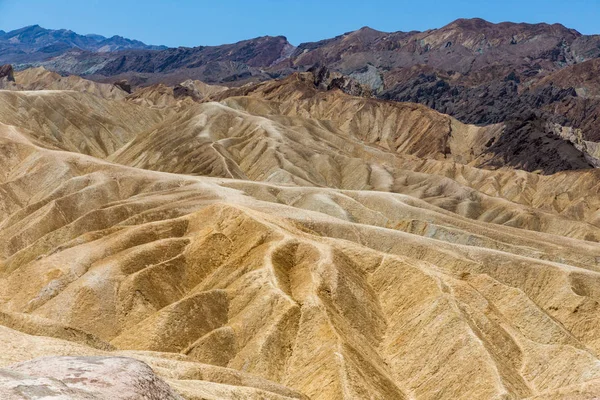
[280, 242]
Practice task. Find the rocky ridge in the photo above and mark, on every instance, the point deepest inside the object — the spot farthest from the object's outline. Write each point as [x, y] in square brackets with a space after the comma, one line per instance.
[478, 72]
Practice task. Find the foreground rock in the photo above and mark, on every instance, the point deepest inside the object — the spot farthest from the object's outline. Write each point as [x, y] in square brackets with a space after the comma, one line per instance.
[83, 378]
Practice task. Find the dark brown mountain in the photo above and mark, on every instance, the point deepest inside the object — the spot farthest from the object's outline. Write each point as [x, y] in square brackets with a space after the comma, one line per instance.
[228, 63]
[583, 77]
[472, 50]
[478, 72]
[463, 47]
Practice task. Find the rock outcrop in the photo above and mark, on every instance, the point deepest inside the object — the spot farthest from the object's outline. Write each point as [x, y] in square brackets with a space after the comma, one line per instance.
[34, 43]
[7, 73]
[124, 85]
[83, 378]
[325, 79]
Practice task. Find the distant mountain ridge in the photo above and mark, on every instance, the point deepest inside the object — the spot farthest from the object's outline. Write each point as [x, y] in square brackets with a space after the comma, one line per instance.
[470, 49]
[476, 71]
[34, 43]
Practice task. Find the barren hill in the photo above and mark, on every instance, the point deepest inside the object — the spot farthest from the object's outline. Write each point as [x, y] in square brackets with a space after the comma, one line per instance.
[34, 43]
[284, 241]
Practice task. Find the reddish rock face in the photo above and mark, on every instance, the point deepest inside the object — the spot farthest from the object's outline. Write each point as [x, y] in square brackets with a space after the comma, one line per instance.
[464, 46]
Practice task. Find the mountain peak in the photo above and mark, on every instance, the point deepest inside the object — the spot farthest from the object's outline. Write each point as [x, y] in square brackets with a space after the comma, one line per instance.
[469, 23]
[35, 27]
[365, 33]
[481, 25]
[45, 43]
[367, 29]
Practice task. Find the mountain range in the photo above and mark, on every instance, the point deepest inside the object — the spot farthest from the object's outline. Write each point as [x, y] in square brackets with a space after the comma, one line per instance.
[531, 76]
[286, 240]
[374, 216]
[464, 48]
[34, 43]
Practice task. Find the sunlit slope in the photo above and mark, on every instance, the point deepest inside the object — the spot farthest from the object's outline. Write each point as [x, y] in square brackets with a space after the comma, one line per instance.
[289, 132]
[74, 121]
[334, 140]
[331, 293]
[276, 241]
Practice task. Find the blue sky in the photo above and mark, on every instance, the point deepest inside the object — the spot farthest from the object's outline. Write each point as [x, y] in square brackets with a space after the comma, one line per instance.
[200, 22]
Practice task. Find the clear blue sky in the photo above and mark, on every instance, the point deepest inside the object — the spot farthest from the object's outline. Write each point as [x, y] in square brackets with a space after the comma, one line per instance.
[201, 22]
